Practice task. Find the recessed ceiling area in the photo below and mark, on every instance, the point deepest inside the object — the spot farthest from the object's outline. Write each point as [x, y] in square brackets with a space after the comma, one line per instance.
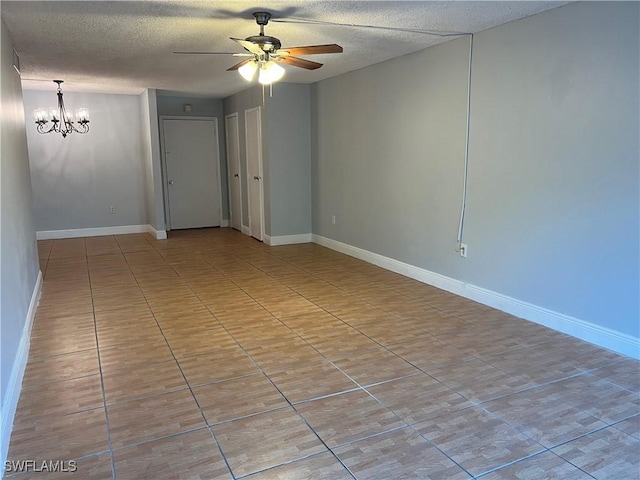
[127, 46]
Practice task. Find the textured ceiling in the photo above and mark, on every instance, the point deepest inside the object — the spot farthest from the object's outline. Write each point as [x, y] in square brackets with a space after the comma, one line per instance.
[125, 46]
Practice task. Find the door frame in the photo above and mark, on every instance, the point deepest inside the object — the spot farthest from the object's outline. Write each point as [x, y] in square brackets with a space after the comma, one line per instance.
[163, 163]
[260, 170]
[229, 173]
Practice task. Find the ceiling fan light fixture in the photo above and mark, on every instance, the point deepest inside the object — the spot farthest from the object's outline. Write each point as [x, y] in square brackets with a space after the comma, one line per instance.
[248, 70]
[270, 72]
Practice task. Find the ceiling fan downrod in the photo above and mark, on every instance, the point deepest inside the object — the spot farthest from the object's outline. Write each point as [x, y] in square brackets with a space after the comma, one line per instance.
[266, 43]
[262, 18]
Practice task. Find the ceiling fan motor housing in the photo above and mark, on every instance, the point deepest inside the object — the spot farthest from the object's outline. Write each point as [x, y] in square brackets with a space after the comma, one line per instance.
[265, 42]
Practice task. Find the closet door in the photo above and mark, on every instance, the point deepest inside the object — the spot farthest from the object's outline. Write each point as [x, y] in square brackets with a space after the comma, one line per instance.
[233, 167]
[253, 138]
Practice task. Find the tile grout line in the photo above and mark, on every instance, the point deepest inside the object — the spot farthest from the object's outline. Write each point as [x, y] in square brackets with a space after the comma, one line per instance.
[297, 334]
[104, 397]
[195, 399]
[265, 376]
[187, 283]
[88, 276]
[473, 402]
[364, 300]
[545, 449]
[571, 463]
[333, 364]
[361, 295]
[376, 400]
[289, 462]
[355, 327]
[353, 380]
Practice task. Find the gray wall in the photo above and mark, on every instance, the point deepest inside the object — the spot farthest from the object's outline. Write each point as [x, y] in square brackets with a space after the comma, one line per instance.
[389, 151]
[553, 191]
[554, 162]
[202, 107]
[18, 249]
[76, 179]
[289, 143]
[286, 157]
[154, 199]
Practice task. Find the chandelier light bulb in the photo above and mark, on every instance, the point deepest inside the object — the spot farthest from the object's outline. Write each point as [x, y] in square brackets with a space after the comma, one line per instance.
[41, 115]
[248, 70]
[82, 115]
[270, 72]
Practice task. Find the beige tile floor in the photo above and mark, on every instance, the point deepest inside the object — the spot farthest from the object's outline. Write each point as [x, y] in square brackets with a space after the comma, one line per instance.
[212, 356]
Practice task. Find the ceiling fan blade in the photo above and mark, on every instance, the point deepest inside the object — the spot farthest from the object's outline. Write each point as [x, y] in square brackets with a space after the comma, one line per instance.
[311, 49]
[252, 47]
[208, 53]
[298, 62]
[239, 64]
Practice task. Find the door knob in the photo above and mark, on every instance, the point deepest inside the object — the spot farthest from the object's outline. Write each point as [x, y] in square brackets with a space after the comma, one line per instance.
[171, 182]
[236, 175]
[256, 177]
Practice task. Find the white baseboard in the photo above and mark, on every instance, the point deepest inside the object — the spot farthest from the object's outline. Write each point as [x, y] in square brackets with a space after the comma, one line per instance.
[245, 230]
[14, 386]
[93, 232]
[287, 239]
[224, 223]
[157, 234]
[587, 331]
[417, 273]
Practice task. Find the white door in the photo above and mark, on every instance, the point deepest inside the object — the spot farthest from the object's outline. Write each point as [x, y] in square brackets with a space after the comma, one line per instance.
[192, 172]
[233, 167]
[253, 136]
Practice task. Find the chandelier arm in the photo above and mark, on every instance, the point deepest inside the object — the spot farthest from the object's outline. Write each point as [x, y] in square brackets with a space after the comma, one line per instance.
[53, 128]
[41, 127]
[66, 126]
[83, 127]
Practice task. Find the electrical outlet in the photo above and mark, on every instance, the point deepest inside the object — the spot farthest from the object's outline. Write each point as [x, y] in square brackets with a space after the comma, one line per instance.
[463, 250]
[333, 219]
[112, 209]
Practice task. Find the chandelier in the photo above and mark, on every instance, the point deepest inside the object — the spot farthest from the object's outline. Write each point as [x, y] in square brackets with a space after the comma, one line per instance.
[62, 121]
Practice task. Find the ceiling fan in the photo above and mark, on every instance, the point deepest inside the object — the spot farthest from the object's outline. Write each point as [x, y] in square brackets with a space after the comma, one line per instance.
[265, 52]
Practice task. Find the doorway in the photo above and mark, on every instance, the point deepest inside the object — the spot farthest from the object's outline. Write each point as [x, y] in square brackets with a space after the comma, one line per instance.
[253, 139]
[192, 172]
[233, 163]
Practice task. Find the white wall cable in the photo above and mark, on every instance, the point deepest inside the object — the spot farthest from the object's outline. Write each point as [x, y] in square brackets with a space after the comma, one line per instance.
[466, 150]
